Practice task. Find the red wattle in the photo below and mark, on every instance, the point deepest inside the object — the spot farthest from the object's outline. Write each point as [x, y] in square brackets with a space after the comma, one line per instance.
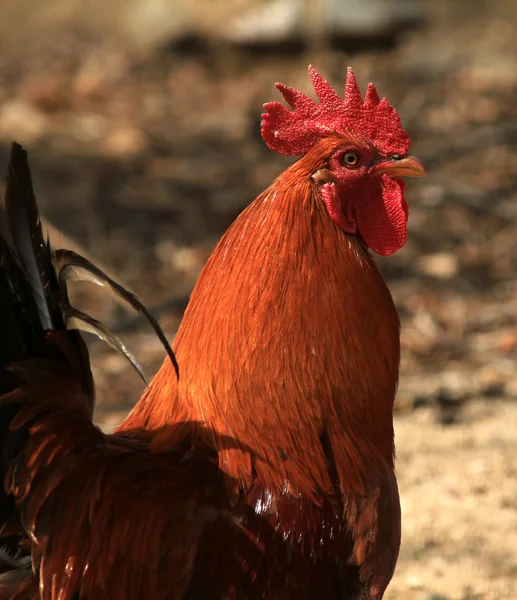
[382, 219]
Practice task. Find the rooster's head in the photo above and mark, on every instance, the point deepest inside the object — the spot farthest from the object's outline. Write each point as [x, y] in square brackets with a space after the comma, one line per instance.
[362, 153]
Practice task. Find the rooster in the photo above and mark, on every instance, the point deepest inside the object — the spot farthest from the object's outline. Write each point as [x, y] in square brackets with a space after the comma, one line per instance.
[266, 469]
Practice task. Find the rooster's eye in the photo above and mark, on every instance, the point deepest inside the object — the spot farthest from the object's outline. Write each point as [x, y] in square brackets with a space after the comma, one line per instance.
[351, 159]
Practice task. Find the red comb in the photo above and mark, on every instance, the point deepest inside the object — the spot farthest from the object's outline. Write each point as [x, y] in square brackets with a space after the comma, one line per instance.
[294, 132]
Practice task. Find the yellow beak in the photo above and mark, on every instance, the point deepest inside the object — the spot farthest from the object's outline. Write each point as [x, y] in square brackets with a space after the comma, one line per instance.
[409, 166]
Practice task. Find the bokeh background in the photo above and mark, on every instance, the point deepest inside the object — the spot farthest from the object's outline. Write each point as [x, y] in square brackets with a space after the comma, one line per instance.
[142, 122]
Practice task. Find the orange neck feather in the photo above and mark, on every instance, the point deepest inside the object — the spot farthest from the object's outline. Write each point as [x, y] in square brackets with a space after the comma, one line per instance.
[290, 345]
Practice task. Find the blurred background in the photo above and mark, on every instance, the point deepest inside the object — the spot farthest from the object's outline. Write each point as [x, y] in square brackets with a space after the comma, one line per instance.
[142, 122]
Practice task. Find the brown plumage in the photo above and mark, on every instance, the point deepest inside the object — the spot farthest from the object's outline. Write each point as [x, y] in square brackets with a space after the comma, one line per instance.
[106, 516]
[304, 372]
[267, 469]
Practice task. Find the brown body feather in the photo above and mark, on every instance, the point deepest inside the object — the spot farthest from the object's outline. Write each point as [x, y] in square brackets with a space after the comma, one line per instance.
[290, 345]
[108, 518]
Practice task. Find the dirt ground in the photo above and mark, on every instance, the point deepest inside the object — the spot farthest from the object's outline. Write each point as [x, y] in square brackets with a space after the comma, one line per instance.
[145, 145]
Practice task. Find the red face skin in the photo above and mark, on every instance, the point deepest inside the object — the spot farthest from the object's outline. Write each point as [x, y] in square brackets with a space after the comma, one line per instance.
[364, 193]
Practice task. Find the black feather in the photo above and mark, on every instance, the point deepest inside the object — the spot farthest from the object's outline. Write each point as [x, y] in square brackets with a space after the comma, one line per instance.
[27, 308]
[75, 319]
[70, 266]
[29, 246]
[33, 300]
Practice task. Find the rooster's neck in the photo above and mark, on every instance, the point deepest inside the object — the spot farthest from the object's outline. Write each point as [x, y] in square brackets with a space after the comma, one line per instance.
[290, 346]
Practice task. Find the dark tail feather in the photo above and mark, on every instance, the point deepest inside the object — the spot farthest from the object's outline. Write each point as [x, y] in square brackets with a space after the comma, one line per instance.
[70, 266]
[30, 295]
[34, 315]
[35, 311]
[33, 280]
[28, 307]
[75, 319]
[28, 245]
[28, 284]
